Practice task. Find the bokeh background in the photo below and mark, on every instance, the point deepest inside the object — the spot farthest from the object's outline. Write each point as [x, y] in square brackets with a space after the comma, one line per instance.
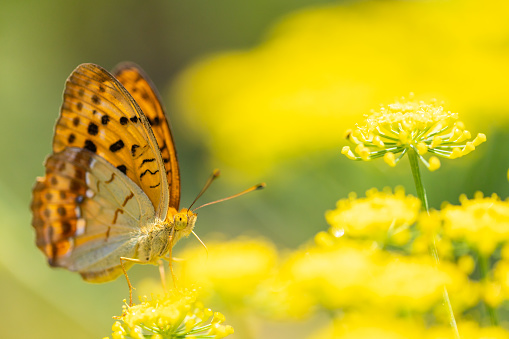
[263, 90]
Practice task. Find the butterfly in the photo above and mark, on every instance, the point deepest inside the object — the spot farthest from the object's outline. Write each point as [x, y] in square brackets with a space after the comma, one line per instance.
[110, 197]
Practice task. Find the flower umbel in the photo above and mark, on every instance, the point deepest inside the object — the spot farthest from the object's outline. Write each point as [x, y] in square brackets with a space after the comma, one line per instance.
[176, 315]
[410, 125]
[381, 216]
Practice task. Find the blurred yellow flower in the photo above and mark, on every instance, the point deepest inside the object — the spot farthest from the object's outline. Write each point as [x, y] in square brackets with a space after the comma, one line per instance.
[351, 275]
[381, 216]
[175, 315]
[482, 222]
[470, 330]
[231, 269]
[411, 126]
[384, 326]
[320, 69]
[371, 325]
[501, 277]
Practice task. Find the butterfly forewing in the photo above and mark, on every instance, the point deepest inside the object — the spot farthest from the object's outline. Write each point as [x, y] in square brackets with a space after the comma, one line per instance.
[99, 115]
[144, 92]
[87, 214]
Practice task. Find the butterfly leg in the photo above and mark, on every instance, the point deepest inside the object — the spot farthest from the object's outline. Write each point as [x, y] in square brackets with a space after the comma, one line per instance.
[162, 273]
[127, 278]
[169, 259]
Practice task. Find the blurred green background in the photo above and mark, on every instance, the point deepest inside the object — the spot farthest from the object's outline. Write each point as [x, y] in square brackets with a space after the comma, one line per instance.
[42, 42]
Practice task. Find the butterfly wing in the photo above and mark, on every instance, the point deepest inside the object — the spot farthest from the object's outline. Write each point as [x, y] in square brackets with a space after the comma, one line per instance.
[87, 214]
[99, 115]
[139, 85]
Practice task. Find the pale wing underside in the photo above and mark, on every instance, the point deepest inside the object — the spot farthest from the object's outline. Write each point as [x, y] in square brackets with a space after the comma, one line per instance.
[87, 214]
[98, 114]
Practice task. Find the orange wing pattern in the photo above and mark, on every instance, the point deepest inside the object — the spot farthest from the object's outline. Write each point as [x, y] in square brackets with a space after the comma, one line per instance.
[98, 114]
[134, 79]
[87, 214]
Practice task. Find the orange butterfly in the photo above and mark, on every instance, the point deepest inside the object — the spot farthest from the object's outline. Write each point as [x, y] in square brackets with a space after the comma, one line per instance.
[111, 193]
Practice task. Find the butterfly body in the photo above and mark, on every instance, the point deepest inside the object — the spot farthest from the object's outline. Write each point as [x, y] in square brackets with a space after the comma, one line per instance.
[112, 183]
[157, 238]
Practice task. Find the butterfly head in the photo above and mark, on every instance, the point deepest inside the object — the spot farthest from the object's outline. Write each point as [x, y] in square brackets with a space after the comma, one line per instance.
[184, 221]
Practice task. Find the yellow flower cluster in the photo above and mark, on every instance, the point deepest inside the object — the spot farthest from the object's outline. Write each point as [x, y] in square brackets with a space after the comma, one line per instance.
[175, 315]
[411, 126]
[373, 285]
[231, 269]
[380, 326]
[381, 216]
[321, 68]
[348, 275]
[482, 222]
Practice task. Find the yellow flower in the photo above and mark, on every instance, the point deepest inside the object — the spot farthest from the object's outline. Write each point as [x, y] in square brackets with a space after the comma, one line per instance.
[231, 269]
[175, 315]
[381, 216]
[321, 68]
[350, 275]
[501, 277]
[482, 222]
[371, 325]
[415, 126]
[469, 330]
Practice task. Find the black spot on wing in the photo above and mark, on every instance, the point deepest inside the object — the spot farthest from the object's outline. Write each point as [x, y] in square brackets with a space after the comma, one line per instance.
[133, 149]
[76, 121]
[71, 138]
[95, 99]
[61, 211]
[123, 120]
[117, 146]
[93, 129]
[105, 119]
[90, 146]
[134, 119]
[154, 122]
[122, 168]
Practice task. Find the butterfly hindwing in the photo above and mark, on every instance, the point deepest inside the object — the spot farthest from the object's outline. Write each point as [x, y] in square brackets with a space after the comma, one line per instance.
[87, 214]
[139, 85]
[99, 115]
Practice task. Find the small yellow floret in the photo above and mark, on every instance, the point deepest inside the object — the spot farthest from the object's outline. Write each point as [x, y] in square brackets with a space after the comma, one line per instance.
[479, 139]
[362, 151]
[434, 164]
[422, 148]
[436, 141]
[348, 152]
[390, 159]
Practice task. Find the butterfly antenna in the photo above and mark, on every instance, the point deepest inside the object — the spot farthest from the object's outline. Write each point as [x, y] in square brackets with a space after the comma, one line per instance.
[253, 188]
[214, 176]
[201, 242]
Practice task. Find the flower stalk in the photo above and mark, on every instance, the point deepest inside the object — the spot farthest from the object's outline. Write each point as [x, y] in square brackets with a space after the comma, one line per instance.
[421, 193]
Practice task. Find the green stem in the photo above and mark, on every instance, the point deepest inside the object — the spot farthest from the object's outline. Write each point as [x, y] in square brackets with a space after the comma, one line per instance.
[484, 267]
[421, 193]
